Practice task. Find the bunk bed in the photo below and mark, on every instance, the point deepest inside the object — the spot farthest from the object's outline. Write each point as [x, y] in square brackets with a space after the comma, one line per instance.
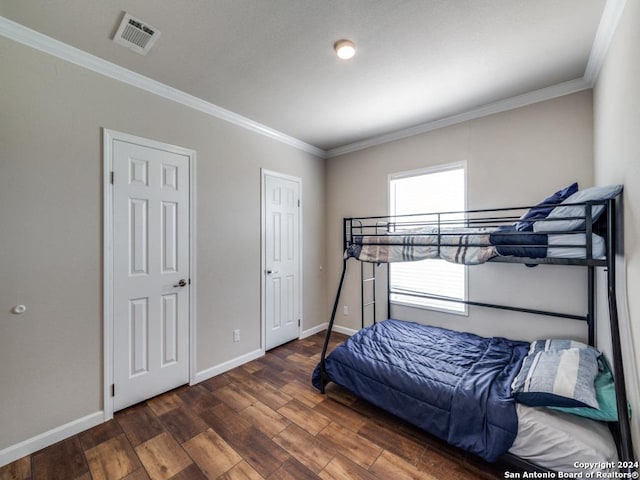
[462, 387]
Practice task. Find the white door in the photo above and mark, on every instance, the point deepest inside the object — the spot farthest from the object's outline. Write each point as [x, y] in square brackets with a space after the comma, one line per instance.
[281, 199]
[151, 284]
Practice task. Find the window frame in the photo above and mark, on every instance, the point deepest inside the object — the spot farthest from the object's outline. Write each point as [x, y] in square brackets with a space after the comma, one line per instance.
[419, 172]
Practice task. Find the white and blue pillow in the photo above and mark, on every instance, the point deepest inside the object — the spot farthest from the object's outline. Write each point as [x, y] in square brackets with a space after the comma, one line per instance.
[555, 344]
[552, 375]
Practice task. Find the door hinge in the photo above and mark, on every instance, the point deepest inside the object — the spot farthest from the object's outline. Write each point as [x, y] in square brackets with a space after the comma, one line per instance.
[298, 322]
[112, 176]
[113, 389]
[298, 203]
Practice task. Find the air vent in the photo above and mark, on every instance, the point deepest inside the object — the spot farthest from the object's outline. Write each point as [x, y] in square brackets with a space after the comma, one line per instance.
[136, 35]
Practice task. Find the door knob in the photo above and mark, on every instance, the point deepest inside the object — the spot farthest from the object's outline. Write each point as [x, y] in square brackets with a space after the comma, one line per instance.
[269, 272]
[181, 283]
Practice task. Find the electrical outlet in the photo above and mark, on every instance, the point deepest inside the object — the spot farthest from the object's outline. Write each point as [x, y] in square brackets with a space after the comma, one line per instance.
[345, 310]
[236, 335]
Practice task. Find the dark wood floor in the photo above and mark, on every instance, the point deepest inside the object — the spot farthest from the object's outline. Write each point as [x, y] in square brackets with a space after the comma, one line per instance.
[262, 420]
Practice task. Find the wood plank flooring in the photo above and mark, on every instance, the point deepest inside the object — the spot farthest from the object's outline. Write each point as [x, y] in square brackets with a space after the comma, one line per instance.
[262, 420]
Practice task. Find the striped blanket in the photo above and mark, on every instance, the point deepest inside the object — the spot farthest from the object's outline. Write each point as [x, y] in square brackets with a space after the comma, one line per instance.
[469, 246]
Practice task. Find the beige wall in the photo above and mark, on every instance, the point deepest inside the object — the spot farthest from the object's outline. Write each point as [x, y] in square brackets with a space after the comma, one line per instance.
[51, 116]
[617, 160]
[513, 158]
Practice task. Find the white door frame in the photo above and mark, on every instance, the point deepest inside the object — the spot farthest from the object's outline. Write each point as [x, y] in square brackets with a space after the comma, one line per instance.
[263, 254]
[109, 136]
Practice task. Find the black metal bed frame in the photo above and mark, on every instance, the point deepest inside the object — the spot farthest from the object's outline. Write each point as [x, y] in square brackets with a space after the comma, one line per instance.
[357, 229]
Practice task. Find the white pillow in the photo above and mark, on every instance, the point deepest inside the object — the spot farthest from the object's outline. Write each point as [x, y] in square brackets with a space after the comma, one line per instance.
[563, 442]
[564, 211]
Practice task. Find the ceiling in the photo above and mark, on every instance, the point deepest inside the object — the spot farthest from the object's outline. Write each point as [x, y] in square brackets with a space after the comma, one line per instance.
[271, 61]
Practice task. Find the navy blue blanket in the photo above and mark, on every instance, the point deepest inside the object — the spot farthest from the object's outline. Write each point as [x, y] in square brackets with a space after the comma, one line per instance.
[511, 242]
[454, 385]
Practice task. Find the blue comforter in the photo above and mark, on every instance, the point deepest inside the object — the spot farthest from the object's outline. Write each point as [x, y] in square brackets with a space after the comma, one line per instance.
[454, 385]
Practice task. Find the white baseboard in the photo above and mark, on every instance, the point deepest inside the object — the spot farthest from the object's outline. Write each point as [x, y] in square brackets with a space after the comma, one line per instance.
[344, 330]
[314, 330]
[33, 444]
[226, 366]
[236, 362]
[323, 326]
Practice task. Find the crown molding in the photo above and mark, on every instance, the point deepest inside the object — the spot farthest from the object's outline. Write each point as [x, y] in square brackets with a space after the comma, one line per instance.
[606, 29]
[21, 34]
[523, 100]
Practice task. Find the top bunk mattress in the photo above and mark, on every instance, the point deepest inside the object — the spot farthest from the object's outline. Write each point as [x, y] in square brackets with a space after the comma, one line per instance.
[472, 246]
[562, 228]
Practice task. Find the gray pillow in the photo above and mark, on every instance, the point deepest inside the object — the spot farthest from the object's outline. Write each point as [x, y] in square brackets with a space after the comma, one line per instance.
[564, 211]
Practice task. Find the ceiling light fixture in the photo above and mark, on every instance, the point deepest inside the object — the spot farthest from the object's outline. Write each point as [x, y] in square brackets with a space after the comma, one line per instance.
[345, 49]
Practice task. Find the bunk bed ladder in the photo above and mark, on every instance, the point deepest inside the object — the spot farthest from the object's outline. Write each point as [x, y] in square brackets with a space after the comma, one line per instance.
[371, 283]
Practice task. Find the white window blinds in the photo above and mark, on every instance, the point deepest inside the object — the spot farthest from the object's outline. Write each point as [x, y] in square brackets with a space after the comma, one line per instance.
[432, 190]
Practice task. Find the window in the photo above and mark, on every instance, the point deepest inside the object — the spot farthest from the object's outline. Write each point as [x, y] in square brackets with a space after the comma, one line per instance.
[440, 189]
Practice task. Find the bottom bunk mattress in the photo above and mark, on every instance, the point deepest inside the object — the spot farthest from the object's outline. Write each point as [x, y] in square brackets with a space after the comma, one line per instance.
[454, 385]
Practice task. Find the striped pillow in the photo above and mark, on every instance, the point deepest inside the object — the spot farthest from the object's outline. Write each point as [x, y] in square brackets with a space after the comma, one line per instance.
[606, 395]
[558, 378]
[552, 344]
